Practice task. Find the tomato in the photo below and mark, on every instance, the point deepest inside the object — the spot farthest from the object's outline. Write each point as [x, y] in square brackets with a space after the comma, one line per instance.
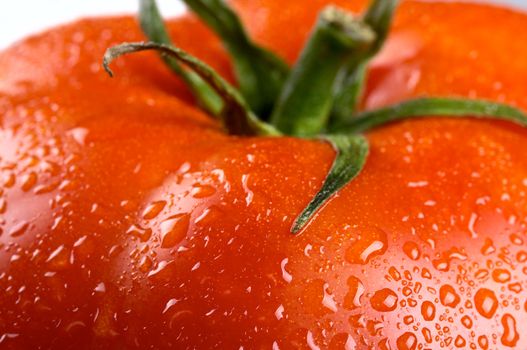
[131, 220]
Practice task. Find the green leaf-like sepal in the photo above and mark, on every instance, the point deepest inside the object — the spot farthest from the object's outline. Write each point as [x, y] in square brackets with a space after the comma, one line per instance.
[352, 151]
[154, 28]
[260, 73]
[432, 107]
[236, 115]
[305, 103]
[350, 85]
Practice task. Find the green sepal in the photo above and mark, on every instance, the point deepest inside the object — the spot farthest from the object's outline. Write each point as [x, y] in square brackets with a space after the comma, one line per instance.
[260, 73]
[379, 16]
[351, 153]
[350, 87]
[305, 103]
[236, 115]
[154, 28]
[348, 91]
[432, 107]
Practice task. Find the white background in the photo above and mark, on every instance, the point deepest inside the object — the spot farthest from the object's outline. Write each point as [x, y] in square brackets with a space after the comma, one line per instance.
[19, 18]
[22, 17]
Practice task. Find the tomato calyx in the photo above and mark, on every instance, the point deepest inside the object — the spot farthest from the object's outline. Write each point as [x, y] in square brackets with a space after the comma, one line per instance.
[304, 107]
[350, 84]
[153, 26]
[432, 107]
[235, 114]
[259, 72]
[318, 98]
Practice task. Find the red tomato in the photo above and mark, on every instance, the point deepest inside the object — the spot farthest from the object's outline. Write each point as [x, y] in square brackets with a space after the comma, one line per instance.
[130, 220]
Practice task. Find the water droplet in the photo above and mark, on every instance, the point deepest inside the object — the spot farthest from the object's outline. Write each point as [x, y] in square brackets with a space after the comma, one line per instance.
[383, 344]
[516, 239]
[515, 287]
[448, 296]
[279, 313]
[174, 230]
[374, 327]
[114, 251]
[9, 180]
[139, 232]
[350, 343]
[483, 342]
[3, 205]
[521, 256]
[28, 181]
[408, 320]
[384, 300]
[481, 274]
[411, 249]
[428, 310]
[196, 266]
[355, 292]
[203, 191]
[486, 302]
[184, 168]
[249, 195]
[311, 341]
[169, 305]
[407, 341]
[441, 264]
[460, 342]
[488, 247]
[164, 270]
[45, 188]
[427, 334]
[153, 210]
[19, 229]
[501, 275]
[79, 135]
[145, 264]
[416, 184]
[74, 327]
[285, 275]
[510, 335]
[59, 258]
[100, 288]
[394, 273]
[49, 167]
[471, 225]
[371, 243]
[68, 185]
[209, 215]
[328, 299]
[357, 321]
[466, 321]
[425, 273]
[342, 341]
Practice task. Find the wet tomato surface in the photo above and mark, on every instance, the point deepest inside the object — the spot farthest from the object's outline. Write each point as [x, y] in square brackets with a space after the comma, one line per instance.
[130, 220]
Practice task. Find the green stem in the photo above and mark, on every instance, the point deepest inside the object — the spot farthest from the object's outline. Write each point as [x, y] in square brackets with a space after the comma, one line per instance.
[305, 103]
[351, 85]
[432, 107]
[260, 73]
[154, 28]
[236, 115]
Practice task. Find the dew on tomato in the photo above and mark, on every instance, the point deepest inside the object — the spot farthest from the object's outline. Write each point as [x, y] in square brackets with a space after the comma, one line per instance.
[510, 334]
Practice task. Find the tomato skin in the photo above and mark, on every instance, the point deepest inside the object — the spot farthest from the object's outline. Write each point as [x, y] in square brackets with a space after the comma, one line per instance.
[130, 220]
